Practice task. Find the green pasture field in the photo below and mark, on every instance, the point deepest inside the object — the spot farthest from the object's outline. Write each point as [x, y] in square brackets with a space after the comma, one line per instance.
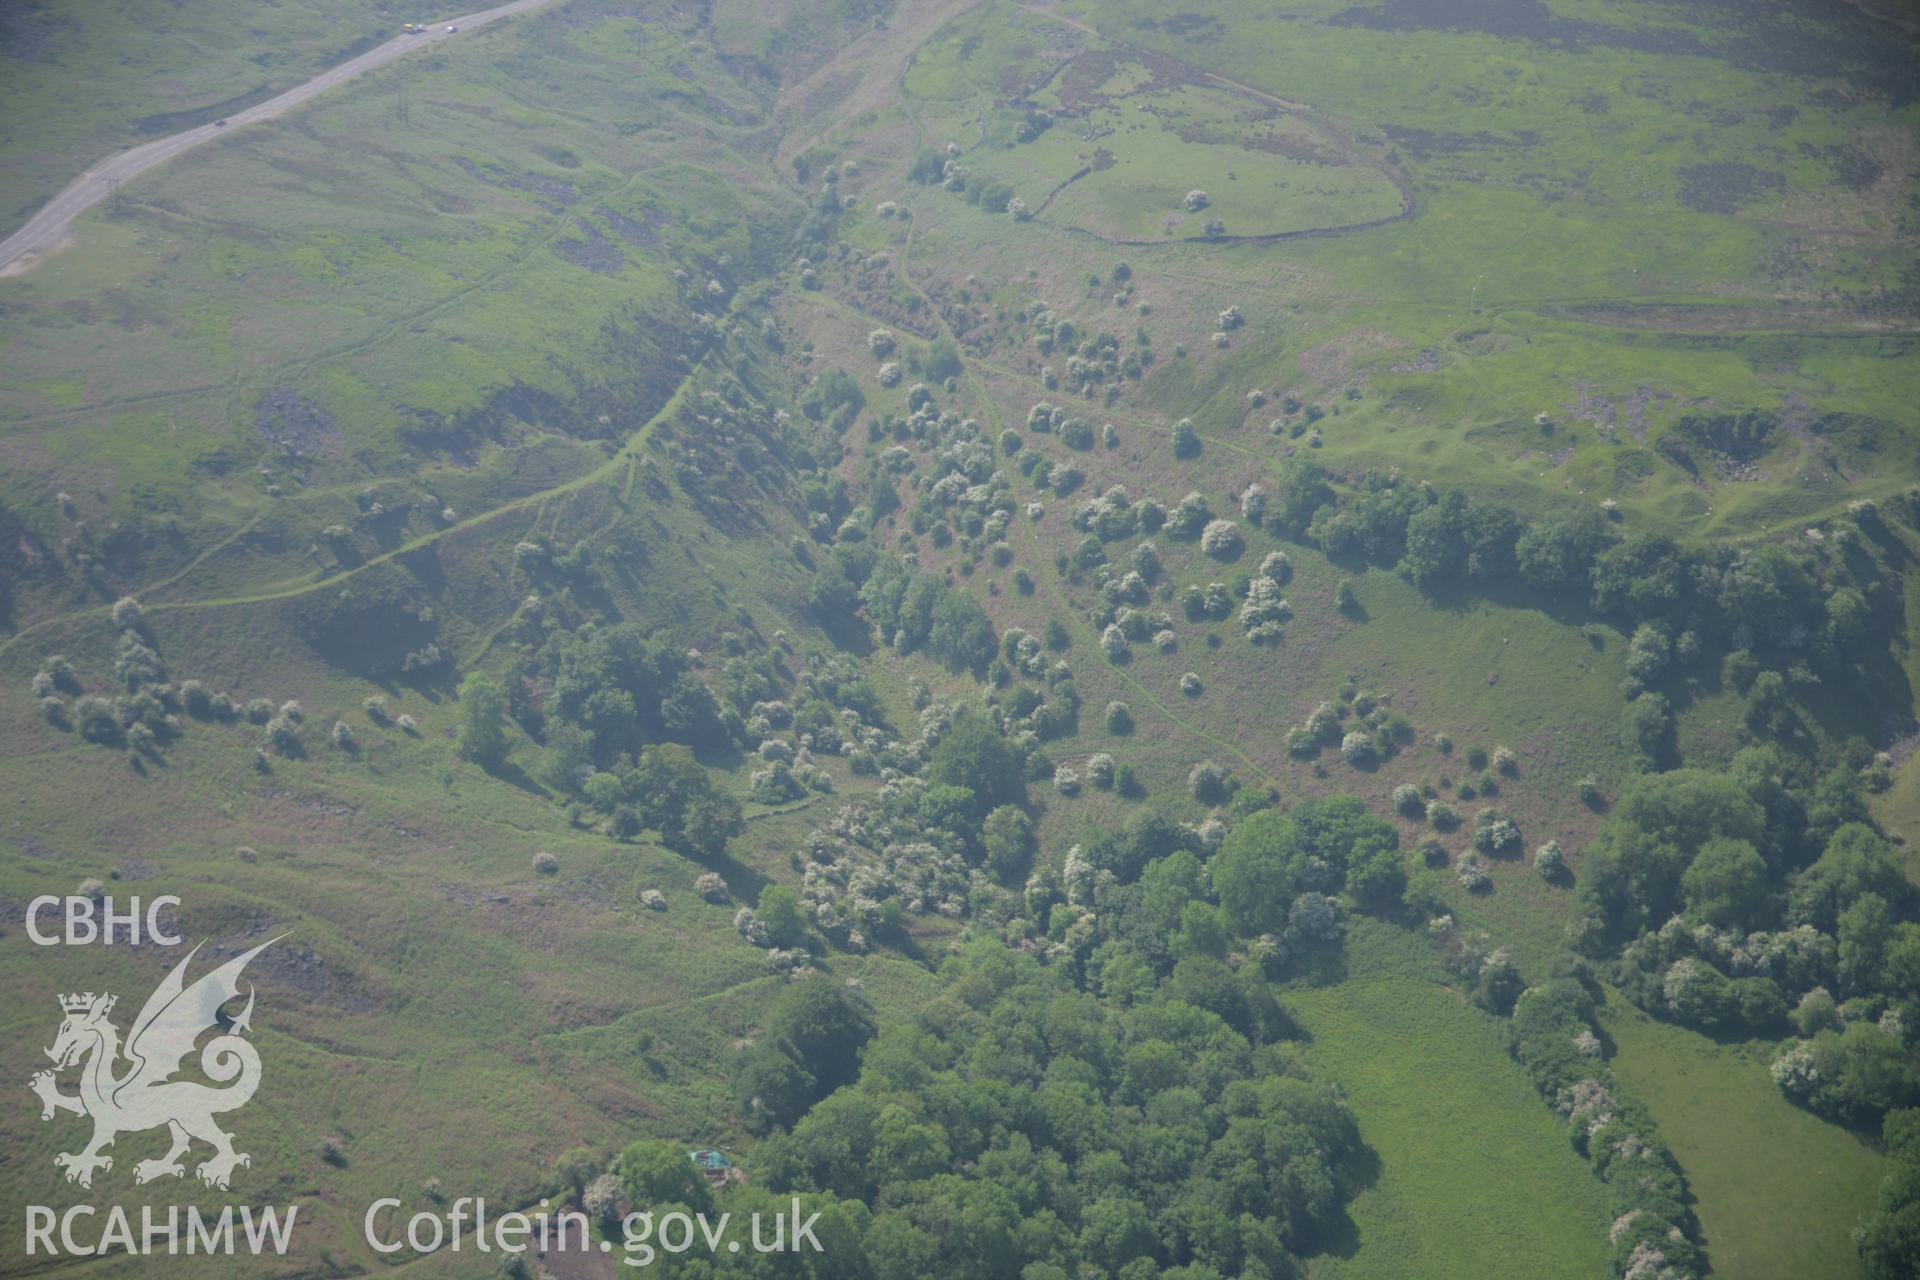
[1476, 1177]
[1779, 1190]
[1131, 141]
[1142, 195]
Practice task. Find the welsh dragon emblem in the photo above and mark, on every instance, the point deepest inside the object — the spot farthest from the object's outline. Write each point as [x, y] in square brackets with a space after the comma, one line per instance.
[143, 1093]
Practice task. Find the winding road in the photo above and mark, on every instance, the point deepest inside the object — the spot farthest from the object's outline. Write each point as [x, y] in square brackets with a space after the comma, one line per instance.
[50, 227]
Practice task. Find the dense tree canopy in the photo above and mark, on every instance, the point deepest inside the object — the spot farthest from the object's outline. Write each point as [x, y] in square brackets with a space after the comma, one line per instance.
[1734, 913]
[626, 688]
[972, 756]
[1633, 871]
[1890, 1241]
[1322, 846]
[483, 721]
[676, 797]
[812, 1045]
[1022, 1128]
[913, 609]
[657, 1174]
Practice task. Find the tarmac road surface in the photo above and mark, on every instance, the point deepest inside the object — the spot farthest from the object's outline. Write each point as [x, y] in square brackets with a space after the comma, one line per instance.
[50, 226]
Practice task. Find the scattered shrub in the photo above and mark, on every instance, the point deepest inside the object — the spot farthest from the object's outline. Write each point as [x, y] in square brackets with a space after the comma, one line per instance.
[195, 698]
[1253, 507]
[60, 671]
[1549, 861]
[1265, 610]
[1119, 718]
[601, 1197]
[1220, 538]
[1208, 782]
[1190, 517]
[95, 718]
[1472, 877]
[1494, 833]
[545, 863]
[1186, 441]
[283, 734]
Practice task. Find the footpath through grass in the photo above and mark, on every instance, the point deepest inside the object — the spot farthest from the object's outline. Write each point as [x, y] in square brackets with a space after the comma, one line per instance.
[1476, 1176]
[1779, 1189]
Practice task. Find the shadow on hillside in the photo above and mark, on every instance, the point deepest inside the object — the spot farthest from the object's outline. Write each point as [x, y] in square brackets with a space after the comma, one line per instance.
[1358, 1171]
[909, 946]
[430, 690]
[1874, 701]
[1324, 966]
[1568, 609]
[513, 775]
[849, 631]
[743, 882]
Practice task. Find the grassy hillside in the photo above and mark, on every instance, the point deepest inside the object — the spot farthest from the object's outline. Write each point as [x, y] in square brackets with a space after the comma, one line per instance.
[88, 79]
[627, 352]
[1734, 1132]
[1472, 1180]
